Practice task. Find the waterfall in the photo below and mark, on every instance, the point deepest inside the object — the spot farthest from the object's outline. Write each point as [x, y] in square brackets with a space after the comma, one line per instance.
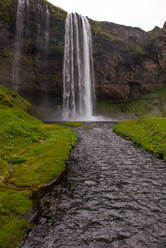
[22, 4]
[78, 72]
[43, 26]
[46, 34]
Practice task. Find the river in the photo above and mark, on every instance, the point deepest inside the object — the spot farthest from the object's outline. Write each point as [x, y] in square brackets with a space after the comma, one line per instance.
[113, 195]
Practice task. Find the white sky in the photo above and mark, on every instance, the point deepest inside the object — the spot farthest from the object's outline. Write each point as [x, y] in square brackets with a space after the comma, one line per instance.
[145, 14]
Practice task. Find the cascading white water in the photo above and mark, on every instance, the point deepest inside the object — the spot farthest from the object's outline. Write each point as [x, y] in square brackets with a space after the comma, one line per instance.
[43, 26]
[18, 40]
[46, 35]
[78, 72]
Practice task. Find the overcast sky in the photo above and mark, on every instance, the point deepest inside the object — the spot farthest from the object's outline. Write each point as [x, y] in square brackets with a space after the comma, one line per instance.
[145, 14]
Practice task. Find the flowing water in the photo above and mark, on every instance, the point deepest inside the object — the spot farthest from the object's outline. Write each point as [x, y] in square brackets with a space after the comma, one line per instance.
[22, 4]
[78, 72]
[47, 29]
[113, 195]
[22, 14]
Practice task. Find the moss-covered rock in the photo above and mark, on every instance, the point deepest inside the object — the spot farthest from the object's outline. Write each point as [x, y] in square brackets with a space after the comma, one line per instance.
[153, 104]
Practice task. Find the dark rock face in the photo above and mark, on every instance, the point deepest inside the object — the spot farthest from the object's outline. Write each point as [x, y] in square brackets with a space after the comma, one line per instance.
[128, 61]
[40, 73]
[164, 25]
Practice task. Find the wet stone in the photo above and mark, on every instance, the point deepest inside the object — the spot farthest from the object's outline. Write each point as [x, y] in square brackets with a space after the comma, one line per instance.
[113, 195]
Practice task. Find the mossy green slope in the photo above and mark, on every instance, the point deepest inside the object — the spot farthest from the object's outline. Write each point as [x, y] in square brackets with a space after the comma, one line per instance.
[31, 154]
[150, 133]
[153, 104]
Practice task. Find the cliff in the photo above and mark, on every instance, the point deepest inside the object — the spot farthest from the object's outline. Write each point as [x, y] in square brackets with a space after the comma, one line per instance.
[128, 61]
[40, 71]
[133, 61]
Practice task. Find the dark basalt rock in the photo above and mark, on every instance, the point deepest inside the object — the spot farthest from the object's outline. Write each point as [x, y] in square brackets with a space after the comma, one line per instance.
[164, 25]
[128, 61]
[39, 73]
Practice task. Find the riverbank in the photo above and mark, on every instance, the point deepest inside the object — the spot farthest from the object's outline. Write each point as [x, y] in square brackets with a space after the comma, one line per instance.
[31, 155]
[149, 133]
[111, 195]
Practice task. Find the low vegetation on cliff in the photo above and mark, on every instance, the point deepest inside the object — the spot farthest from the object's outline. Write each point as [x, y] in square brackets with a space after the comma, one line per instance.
[149, 133]
[5, 10]
[153, 104]
[31, 154]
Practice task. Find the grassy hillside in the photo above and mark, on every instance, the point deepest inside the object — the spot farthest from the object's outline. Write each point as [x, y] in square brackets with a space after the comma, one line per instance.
[150, 133]
[149, 105]
[31, 154]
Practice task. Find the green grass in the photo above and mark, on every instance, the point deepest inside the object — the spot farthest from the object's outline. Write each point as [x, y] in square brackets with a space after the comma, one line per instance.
[149, 105]
[72, 123]
[12, 231]
[99, 28]
[31, 154]
[87, 127]
[149, 133]
[45, 159]
[75, 124]
[13, 206]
